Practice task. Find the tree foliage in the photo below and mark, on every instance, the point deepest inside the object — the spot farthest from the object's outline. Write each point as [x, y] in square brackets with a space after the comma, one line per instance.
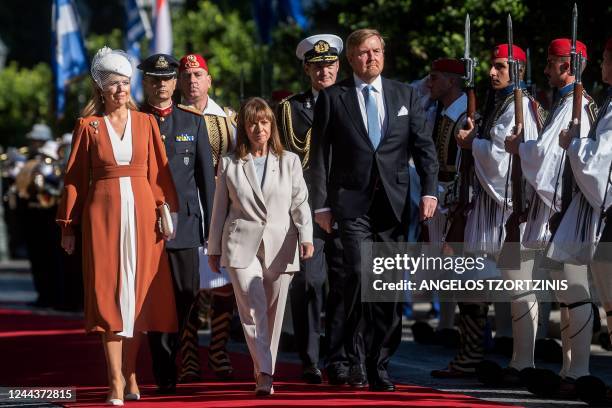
[24, 100]
[228, 44]
[418, 31]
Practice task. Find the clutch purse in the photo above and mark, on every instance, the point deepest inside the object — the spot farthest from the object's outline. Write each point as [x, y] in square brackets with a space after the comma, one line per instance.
[164, 222]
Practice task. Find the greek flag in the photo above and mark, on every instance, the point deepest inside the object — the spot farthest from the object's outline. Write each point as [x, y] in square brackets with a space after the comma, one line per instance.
[136, 27]
[69, 56]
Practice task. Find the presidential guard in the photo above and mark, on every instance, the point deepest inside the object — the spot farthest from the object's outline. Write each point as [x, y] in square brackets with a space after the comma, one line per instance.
[194, 84]
[320, 57]
[591, 159]
[577, 236]
[484, 230]
[191, 163]
[542, 162]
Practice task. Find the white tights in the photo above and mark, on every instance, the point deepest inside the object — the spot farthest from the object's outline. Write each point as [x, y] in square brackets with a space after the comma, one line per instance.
[576, 321]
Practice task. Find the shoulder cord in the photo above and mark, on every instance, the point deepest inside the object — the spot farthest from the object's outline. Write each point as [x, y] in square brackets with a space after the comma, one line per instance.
[292, 140]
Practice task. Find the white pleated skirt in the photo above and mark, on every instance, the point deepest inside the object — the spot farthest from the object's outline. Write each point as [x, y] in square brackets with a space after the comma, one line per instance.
[576, 238]
[484, 230]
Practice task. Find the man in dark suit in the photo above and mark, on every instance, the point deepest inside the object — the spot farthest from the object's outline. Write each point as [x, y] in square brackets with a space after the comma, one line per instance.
[320, 55]
[191, 163]
[365, 131]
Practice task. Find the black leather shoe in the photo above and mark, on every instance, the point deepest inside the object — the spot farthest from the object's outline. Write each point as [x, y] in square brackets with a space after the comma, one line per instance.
[312, 375]
[382, 384]
[450, 372]
[337, 375]
[357, 376]
[166, 389]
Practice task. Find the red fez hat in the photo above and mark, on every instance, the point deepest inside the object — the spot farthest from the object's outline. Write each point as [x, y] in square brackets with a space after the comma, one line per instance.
[450, 65]
[609, 45]
[192, 61]
[562, 47]
[501, 51]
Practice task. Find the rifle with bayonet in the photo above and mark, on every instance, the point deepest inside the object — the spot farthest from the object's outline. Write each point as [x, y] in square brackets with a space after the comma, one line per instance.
[568, 182]
[509, 257]
[458, 216]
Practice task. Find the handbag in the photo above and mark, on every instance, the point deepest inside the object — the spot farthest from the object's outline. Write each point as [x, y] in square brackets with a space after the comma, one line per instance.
[164, 222]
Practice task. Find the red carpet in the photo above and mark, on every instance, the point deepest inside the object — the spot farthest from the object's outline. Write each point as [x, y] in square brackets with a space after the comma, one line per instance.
[38, 350]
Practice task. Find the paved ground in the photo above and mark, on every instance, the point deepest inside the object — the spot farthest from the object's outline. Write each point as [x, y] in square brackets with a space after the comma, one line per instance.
[411, 364]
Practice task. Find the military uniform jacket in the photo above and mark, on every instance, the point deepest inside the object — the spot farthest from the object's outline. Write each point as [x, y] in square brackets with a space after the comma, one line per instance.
[294, 116]
[191, 164]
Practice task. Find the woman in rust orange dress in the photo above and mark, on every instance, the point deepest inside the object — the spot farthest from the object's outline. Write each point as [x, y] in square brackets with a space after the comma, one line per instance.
[116, 177]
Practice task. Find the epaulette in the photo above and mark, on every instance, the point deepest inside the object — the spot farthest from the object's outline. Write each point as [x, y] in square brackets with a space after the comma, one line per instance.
[286, 99]
[591, 107]
[189, 109]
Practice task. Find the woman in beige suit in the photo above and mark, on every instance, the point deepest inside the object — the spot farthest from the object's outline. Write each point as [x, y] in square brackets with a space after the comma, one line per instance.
[260, 223]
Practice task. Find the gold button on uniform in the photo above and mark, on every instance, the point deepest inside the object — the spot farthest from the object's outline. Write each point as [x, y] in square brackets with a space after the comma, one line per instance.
[163, 137]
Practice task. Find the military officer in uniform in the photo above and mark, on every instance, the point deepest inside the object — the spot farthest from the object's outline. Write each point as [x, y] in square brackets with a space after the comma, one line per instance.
[319, 54]
[191, 163]
[194, 83]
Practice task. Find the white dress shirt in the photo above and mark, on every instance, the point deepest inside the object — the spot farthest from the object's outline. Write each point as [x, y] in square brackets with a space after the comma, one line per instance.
[315, 94]
[380, 101]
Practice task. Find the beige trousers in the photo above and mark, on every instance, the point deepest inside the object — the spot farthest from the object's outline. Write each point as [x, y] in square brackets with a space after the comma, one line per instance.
[261, 295]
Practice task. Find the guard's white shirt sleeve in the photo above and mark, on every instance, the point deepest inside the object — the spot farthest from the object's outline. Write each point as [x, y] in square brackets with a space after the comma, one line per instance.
[542, 160]
[590, 160]
[490, 157]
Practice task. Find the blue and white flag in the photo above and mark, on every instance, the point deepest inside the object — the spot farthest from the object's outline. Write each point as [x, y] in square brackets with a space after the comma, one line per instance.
[69, 56]
[137, 26]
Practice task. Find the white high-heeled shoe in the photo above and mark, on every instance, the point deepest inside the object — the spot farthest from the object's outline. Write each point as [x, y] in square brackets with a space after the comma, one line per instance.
[115, 402]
